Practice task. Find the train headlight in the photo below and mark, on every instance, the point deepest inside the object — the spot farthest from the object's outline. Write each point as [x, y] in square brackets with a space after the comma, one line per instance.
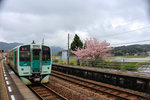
[22, 69]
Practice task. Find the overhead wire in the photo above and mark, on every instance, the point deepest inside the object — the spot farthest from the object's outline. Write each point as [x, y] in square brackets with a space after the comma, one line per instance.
[122, 33]
[131, 42]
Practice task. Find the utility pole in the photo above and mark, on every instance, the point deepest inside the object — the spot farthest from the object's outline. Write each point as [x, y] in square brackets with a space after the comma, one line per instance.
[68, 51]
[43, 41]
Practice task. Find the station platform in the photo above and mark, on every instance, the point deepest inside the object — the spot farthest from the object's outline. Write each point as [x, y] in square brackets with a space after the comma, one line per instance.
[3, 89]
[12, 88]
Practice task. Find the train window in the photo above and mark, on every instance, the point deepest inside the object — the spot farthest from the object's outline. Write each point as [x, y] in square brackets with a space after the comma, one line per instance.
[25, 48]
[25, 56]
[25, 53]
[45, 53]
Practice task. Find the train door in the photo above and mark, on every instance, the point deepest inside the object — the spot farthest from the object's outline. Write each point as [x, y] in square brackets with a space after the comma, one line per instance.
[36, 60]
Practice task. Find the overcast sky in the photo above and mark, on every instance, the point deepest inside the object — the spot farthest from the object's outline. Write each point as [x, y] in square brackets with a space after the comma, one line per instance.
[112, 20]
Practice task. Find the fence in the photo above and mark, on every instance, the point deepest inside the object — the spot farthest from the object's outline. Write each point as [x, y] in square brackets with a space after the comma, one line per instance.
[141, 65]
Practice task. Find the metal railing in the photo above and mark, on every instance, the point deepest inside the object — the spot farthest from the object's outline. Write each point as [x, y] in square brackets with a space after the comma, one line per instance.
[140, 65]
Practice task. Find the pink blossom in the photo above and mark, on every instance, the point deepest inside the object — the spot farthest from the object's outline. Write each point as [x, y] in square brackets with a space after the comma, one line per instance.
[93, 50]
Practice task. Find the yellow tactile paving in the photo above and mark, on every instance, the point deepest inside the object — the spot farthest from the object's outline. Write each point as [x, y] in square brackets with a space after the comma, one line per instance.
[3, 89]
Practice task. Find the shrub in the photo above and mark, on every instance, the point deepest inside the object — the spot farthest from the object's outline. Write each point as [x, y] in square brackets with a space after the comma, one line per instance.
[71, 63]
[110, 65]
[113, 65]
[130, 67]
[55, 60]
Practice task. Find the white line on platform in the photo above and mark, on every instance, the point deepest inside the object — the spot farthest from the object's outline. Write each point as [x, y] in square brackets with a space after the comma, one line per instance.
[7, 82]
[5, 74]
[12, 97]
[3, 66]
[6, 78]
[9, 89]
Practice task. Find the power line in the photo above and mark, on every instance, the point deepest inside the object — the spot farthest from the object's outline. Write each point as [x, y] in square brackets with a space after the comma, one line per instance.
[129, 32]
[122, 33]
[131, 42]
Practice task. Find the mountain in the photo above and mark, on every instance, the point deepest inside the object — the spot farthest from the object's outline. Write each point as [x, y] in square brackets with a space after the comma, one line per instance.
[56, 50]
[9, 46]
[117, 51]
[131, 49]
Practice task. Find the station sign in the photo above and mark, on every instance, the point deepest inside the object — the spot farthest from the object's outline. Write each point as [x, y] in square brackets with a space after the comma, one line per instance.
[64, 55]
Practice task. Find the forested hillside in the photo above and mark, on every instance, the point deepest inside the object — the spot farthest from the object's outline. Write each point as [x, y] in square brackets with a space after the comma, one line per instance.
[131, 50]
[9, 46]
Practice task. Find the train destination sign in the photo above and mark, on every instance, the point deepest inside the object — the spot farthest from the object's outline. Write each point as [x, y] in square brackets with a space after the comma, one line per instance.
[36, 46]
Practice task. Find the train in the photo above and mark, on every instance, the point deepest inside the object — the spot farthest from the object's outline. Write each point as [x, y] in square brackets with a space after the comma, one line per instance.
[32, 62]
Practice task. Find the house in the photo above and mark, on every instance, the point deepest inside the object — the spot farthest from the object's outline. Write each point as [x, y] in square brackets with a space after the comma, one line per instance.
[148, 53]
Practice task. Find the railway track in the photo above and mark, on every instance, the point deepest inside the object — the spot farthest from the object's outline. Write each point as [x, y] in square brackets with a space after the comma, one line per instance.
[101, 88]
[45, 93]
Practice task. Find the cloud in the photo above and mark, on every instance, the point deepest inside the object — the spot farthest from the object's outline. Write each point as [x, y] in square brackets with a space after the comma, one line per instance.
[27, 20]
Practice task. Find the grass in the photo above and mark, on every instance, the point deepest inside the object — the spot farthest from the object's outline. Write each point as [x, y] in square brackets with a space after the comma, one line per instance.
[58, 59]
[134, 56]
[130, 66]
[73, 60]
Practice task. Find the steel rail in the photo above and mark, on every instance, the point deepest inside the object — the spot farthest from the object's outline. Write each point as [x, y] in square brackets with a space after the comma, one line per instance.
[116, 92]
[50, 95]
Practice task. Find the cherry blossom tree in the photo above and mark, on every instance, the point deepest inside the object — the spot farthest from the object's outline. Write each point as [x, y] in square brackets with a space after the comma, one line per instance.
[93, 50]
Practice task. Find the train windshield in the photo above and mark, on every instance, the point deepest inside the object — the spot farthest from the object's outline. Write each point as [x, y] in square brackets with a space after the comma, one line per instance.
[45, 53]
[25, 54]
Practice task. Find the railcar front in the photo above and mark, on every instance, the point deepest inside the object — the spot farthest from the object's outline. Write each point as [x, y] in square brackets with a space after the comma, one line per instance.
[34, 63]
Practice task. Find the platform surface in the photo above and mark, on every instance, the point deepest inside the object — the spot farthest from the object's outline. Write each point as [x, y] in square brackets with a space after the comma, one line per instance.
[16, 89]
[3, 88]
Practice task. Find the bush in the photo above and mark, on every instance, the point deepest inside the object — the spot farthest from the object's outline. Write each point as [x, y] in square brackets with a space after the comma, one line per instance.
[55, 60]
[110, 65]
[64, 62]
[71, 63]
[115, 65]
[130, 67]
